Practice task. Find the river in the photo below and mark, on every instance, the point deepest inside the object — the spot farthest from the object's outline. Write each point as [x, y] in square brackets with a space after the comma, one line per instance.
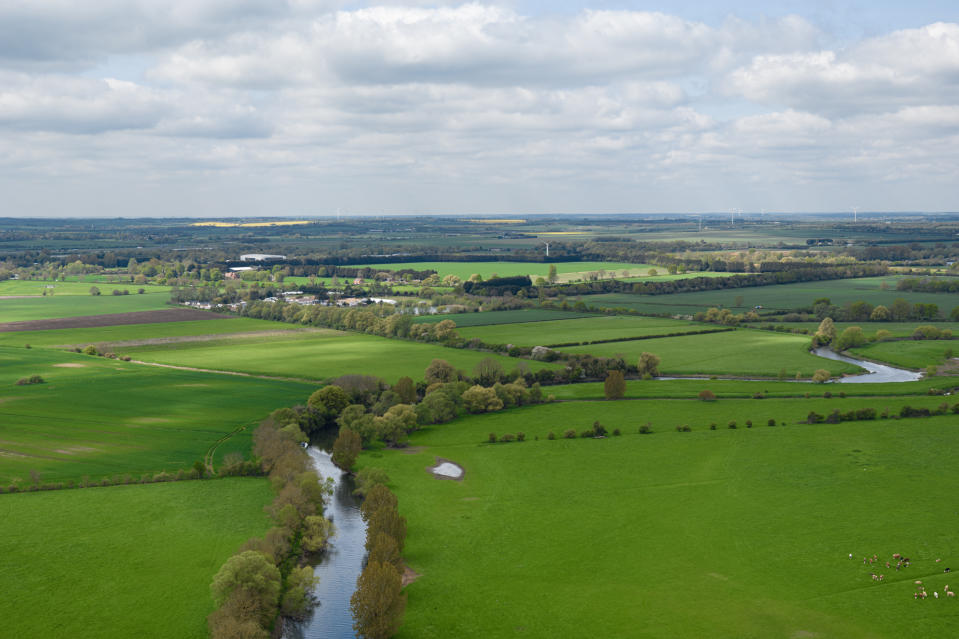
[878, 373]
[339, 565]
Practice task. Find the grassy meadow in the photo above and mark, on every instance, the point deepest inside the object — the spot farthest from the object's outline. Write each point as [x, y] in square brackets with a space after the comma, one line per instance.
[98, 417]
[123, 561]
[777, 297]
[898, 329]
[139, 332]
[727, 533]
[517, 316]
[741, 352]
[36, 308]
[565, 270]
[317, 356]
[55, 288]
[580, 330]
[910, 353]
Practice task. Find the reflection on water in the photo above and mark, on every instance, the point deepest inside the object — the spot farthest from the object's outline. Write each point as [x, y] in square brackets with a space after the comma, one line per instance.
[878, 373]
[339, 565]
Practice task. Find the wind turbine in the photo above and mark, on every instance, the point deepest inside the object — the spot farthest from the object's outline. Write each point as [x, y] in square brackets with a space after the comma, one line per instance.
[547, 248]
[855, 214]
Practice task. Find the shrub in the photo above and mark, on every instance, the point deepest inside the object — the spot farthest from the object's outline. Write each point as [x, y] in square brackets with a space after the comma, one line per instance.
[821, 376]
[598, 429]
[551, 435]
[731, 425]
[569, 433]
[90, 350]
[588, 433]
[617, 432]
[712, 426]
[683, 428]
[771, 422]
[749, 423]
[827, 395]
[492, 438]
[707, 396]
[521, 436]
[645, 429]
[27, 346]
[507, 437]
[758, 395]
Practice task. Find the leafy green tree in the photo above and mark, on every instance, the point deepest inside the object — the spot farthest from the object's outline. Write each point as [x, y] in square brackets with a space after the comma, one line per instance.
[900, 310]
[329, 402]
[94, 290]
[879, 314]
[379, 496]
[850, 338]
[440, 371]
[378, 603]
[298, 597]
[406, 390]
[477, 399]
[384, 549]
[488, 371]
[389, 521]
[250, 576]
[821, 376]
[346, 448]
[615, 385]
[648, 365]
[552, 276]
[826, 334]
[316, 532]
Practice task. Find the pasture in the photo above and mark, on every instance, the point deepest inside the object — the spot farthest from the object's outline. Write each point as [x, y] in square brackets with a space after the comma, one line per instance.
[37, 308]
[501, 317]
[778, 297]
[742, 352]
[909, 353]
[565, 270]
[727, 533]
[55, 288]
[98, 417]
[123, 561]
[898, 329]
[139, 332]
[317, 356]
[598, 327]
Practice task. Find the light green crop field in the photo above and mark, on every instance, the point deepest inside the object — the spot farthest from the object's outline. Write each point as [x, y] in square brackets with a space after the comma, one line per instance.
[39, 287]
[502, 317]
[566, 270]
[98, 417]
[124, 561]
[318, 356]
[580, 330]
[742, 352]
[775, 297]
[727, 533]
[735, 388]
[133, 332]
[910, 353]
[35, 308]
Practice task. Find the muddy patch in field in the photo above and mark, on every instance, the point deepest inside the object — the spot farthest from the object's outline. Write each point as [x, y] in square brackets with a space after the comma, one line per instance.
[409, 575]
[70, 365]
[73, 450]
[413, 450]
[149, 420]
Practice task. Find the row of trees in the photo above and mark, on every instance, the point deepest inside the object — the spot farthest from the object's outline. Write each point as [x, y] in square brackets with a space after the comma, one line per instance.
[267, 577]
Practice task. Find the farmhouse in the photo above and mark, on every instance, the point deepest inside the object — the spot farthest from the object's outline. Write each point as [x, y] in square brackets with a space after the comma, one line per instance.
[260, 257]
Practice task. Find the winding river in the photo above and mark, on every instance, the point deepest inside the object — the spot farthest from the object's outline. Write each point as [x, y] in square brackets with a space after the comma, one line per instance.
[340, 564]
[878, 373]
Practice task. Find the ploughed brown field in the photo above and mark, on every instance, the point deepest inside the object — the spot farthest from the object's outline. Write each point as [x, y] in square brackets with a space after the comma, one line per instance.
[114, 319]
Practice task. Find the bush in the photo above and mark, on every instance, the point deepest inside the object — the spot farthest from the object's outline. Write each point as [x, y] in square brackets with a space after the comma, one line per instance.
[821, 376]
[90, 350]
[617, 432]
[645, 429]
[712, 426]
[588, 433]
[492, 438]
[749, 423]
[569, 433]
[731, 425]
[551, 435]
[707, 396]
[521, 437]
[598, 429]
[507, 437]
[771, 422]
[33, 379]
[827, 395]
[758, 395]
[684, 428]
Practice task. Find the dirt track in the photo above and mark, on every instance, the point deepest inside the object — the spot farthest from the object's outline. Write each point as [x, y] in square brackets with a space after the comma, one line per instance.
[114, 319]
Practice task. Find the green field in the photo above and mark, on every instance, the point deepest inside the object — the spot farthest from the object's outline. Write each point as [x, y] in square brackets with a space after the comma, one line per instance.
[24, 309]
[98, 417]
[913, 354]
[502, 317]
[39, 287]
[898, 329]
[463, 270]
[742, 352]
[727, 533]
[132, 332]
[318, 356]
[782, 297]
[124, 561]
[580, 330]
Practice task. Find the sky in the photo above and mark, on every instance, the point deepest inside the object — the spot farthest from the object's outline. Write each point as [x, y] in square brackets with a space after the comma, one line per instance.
[217, 108]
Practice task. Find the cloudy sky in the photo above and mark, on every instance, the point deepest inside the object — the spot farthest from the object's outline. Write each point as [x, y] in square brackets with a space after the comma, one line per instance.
[301, 107]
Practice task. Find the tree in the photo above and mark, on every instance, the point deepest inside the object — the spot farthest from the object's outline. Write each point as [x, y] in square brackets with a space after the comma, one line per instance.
[388, 521]
[316, 530]
[406, 390]
[384, 550]
[329, 402]
[251, 577]
[615, 385]
[379, 496]
[298, 597]
[648, 365]
[346, 448]
[552, 276]
[488, 371]
[821, 376]
[477, 399]
[900, 310]
[954, 314]
[94, 290]
[879, 314]
[850, 338]
[444, 331]
[707, 395]
[440, 371]
[826, 334]
[397, 423]
[378, 603]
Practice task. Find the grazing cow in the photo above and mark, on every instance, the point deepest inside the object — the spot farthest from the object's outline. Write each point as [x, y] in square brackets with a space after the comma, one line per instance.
[897, 556]
[947, 570]
[936, 594]
[950, 594]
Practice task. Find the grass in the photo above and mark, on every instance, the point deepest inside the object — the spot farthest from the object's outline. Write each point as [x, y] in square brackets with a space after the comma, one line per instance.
[124, 561]
[318, 356]
[898, 329]
[598, 327]
[724, 533]
[101, 417]
[502, 317]
[56, 288]
[913, 354]
[463, 270]
[24, 309]
[742, 352]
[776, 297]
[172, 330]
